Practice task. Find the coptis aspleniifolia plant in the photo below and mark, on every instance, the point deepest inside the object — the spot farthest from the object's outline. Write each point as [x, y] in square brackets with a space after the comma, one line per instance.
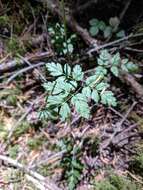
[58, 36]
[72, 88]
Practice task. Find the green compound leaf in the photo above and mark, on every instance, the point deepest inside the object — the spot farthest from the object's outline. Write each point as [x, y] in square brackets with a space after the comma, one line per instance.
[94, 22]
[102, 86]
[124, 61]
[101, 70]
[102, 25]
[131, 67]
[95, 96]
[55, 100]
[74, 174]
[70, 48]
[105, 55]
[86, 91]
[77, 165]
[78, 97]
[63, 85]
[120, 34]
[115, 71]
[108, 98]
[124, 68]
[44, 114]
[67, 70]
[55, 69]
[94, 30]
[64, 111]
[102, 62]
[93, 80]
[77, 73]
[48, 86]
[107, 32]
[81, 105]
[114, 22]
[73, 179]
[115, 60]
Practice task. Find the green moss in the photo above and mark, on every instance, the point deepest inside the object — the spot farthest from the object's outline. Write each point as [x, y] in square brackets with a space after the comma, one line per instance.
[122, 183]
[137, 164]
[115, 182]
[4, 93]
[105, 185]
[4, 20]
[45, 170]
[3, 132]
[35, 143]
[13, 151]
[10, 95]
[21, 129]
[15, 46]
[12, 100]
[93, 145]
[137, 119]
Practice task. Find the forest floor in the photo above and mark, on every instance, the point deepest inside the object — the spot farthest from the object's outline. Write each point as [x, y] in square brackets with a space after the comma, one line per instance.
[104, 152]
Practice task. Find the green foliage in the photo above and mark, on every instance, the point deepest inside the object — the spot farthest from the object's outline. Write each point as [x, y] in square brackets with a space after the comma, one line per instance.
[71, 163]
[114, 63]
[11, 95]
[62, 45]
[13, 151]
[72, 88]
[3, 131]
[35, 143]
[97, 26]
[21, 129]
[44, 170]
[4, 20]
[137, 164]
[12, 100]
[91, 144]
[64, 92]
[15, 46]
[74, 173]
[128, 66]
[115, 182]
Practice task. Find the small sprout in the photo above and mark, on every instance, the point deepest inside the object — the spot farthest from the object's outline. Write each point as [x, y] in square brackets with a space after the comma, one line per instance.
[98, 26]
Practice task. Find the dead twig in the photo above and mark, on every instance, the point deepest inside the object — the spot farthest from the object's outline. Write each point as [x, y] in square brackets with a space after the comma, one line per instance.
[117, 129]
[135, 177]
[32, 59]
[45, 184]
[38, 72]
[126, 38]
[51, 159]
[131, 81]
[11, 78]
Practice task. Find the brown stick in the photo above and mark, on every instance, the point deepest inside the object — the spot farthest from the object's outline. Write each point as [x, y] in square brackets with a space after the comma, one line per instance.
[131, 81]
[47, 184]
[34, 58]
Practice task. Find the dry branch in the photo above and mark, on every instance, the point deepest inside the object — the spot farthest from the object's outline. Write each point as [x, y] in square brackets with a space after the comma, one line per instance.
[11, 78]
[131, 81]
[45, 183]
[34, 58]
